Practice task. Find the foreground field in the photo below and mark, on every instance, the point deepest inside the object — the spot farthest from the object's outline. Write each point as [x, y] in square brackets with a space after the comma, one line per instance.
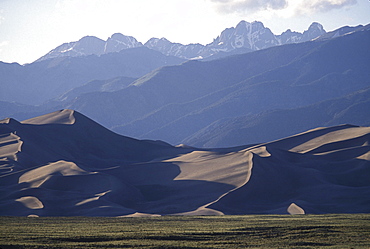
[270, 231]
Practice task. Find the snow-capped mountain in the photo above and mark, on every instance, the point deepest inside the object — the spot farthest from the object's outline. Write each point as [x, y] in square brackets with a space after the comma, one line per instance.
[244, 37]
[89, 45]
[254, 36]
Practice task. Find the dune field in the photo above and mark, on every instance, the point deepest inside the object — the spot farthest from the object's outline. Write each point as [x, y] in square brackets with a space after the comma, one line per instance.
[64, 164]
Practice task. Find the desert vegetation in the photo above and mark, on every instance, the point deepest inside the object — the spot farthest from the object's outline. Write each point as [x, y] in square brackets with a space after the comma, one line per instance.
[252, 231]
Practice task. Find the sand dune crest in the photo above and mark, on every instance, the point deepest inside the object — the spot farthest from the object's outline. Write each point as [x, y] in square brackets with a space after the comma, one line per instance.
[64, 116]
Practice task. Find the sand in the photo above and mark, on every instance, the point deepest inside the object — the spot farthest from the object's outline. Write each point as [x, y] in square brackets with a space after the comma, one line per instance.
[64, 164]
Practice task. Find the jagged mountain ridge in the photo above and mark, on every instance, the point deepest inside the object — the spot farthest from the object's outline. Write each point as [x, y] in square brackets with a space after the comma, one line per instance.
[256, 36]
[91, 45]
[249, 36]
[64, 164]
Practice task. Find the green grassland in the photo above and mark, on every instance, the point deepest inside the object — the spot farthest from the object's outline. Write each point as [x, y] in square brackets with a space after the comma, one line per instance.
[251, 231]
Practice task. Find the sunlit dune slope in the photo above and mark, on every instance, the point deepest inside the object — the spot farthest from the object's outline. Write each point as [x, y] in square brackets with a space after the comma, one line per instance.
[64, 164]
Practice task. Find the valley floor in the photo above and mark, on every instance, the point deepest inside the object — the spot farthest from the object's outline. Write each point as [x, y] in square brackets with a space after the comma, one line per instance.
[251, 231]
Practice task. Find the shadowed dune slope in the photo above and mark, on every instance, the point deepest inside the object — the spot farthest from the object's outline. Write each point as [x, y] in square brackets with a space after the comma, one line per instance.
[64, 164]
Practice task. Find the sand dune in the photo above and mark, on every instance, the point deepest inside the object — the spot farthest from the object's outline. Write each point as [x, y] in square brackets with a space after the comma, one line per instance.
[62, 117]
[64, 164]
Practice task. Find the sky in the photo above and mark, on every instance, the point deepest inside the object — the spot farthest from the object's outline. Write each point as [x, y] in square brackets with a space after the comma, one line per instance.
[31, 28]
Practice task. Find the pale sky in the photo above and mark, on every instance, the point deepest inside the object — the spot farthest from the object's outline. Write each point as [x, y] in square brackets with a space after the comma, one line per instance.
[31, 28]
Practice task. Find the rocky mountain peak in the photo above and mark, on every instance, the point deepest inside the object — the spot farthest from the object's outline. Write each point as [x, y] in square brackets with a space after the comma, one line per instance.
[316, 26]
[118, 42]
[253, 36]
[314, 31]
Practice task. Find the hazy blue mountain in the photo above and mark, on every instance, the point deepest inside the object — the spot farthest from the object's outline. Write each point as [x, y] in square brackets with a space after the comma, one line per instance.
[91, 45]
[175, 102]
[7, 109]
[275, 124]
[11, 81]
[40, 81]
[22, 111]
[109, 85]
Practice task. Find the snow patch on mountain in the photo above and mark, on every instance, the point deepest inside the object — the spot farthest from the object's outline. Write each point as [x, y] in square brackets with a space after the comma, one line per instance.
[89, 45]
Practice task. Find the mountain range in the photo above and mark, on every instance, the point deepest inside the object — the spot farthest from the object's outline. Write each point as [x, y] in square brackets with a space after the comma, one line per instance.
[244, 37]
[65, 164]
[248, 76]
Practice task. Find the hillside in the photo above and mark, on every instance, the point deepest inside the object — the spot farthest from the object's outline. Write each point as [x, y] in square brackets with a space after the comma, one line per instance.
[275, 124]
[38, 82]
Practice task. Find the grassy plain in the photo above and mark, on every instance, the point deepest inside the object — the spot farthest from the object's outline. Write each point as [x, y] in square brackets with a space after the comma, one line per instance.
[251, 231]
